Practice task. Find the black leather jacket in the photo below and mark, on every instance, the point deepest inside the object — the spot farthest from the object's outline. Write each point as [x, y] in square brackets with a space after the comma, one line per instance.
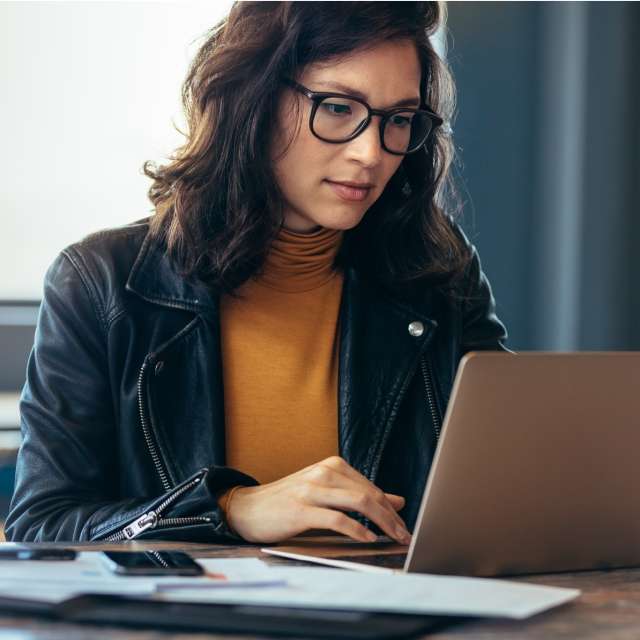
[122, 411]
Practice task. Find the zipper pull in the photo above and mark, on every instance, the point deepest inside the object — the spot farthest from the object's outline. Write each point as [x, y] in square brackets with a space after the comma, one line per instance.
[144, 522]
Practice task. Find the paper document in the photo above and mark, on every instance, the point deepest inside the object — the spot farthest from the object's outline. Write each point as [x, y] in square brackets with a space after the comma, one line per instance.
[396, 593]
[231, 573]
[54, 581]
[252, 581]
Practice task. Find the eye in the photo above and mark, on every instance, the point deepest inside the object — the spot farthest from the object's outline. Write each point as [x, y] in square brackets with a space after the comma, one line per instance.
[401, 121]
[336, 109]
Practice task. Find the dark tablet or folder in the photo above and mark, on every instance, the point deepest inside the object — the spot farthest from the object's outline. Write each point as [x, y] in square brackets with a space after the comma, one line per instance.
[218, 618]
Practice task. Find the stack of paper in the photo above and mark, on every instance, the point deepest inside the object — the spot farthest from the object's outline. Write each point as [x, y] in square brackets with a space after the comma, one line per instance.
[396, 593]
[252, 581]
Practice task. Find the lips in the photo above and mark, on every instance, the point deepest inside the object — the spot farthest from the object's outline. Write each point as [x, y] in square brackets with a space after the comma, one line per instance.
[348, 192]
[353, 183]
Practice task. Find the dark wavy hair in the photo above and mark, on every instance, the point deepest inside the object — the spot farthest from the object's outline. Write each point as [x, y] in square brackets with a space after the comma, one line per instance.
[217, 204]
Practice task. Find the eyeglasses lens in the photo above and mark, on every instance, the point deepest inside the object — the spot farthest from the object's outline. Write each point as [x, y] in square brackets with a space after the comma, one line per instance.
[405, 131]
[337, 119]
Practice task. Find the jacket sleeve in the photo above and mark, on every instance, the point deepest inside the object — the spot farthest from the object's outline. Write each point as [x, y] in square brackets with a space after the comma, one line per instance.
[481, 328]
[67, 474]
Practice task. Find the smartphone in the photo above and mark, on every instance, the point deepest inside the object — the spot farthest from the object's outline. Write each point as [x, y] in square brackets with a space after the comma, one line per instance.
[151, 563]
[36, 553]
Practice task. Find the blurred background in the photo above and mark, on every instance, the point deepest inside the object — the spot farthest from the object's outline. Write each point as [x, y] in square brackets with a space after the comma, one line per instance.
[547, 132]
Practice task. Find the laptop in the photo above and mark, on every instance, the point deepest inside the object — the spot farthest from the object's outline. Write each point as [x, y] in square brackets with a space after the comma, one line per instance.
[536, 471]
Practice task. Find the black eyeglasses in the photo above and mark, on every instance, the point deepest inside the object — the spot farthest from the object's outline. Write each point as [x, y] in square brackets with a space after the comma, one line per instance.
[337, 117]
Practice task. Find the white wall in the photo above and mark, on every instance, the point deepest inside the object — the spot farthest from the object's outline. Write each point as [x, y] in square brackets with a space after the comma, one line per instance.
[88, 91]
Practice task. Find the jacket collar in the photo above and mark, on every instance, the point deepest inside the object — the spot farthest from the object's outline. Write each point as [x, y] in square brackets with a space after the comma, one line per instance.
[154, 278]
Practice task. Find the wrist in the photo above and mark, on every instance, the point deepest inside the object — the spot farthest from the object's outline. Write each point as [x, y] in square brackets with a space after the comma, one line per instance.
[224, 502]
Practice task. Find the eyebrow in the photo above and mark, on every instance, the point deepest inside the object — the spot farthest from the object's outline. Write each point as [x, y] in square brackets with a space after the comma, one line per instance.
[407, 102]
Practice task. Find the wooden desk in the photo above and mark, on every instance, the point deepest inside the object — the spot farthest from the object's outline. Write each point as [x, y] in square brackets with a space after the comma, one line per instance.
[609, 607]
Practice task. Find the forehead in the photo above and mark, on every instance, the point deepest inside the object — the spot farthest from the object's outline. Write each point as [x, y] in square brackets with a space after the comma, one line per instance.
[385, 72]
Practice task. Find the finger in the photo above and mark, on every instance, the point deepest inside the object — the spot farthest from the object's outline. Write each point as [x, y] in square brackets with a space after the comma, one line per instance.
[397, 501]
[323, 477]
[343, 470]
[325, 474]
[319, 518]
[363, 503]
[342, 466]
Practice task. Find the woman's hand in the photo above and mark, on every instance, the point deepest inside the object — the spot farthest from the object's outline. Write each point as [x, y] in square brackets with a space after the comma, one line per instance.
[315, 498]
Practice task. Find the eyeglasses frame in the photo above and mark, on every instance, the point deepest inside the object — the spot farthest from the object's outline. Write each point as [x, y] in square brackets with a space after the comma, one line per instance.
[318, 96]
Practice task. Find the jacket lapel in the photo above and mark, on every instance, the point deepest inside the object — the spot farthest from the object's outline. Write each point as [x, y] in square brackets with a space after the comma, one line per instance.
[184, 376]
[378, 358]
[154, 279]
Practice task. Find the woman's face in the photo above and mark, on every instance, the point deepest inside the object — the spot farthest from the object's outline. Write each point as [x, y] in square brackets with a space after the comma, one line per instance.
[383, 76]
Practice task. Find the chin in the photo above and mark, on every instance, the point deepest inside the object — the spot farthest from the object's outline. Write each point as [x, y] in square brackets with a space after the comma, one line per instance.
[342, 224]
[342, 218]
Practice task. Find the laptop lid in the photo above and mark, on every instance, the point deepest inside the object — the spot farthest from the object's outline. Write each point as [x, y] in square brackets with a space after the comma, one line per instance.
[537, 467]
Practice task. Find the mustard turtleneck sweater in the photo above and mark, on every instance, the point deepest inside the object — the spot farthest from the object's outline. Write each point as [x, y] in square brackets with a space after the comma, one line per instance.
[280, 359]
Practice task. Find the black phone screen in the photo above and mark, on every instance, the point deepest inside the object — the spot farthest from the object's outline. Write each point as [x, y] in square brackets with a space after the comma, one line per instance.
[18, 552]
[153, 563]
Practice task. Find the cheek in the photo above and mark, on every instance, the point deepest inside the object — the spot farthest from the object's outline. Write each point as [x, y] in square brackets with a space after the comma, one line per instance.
[306, 163]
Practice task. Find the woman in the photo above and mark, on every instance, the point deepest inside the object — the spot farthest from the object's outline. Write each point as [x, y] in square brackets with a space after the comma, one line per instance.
[272, 351]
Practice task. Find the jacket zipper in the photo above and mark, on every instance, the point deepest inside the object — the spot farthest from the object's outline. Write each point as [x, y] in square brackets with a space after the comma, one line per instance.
[146, 430]
[428, 385]
[159, 559]
[427, 377]
[153, 519]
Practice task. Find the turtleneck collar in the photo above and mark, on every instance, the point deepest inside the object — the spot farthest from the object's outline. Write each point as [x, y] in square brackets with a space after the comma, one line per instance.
[300, 262]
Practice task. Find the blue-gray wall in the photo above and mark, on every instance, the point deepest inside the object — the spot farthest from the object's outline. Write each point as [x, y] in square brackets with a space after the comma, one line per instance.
[548, 135]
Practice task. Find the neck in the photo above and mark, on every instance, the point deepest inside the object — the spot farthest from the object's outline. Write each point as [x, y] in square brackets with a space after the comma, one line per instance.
[306, 231]
[301, 261]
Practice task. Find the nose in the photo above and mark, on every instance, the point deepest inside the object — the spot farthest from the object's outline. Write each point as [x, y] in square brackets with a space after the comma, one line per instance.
[366, 148]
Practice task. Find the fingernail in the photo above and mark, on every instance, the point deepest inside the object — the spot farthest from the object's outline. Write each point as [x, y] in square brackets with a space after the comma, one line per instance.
[403, 535]
[372, 537]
